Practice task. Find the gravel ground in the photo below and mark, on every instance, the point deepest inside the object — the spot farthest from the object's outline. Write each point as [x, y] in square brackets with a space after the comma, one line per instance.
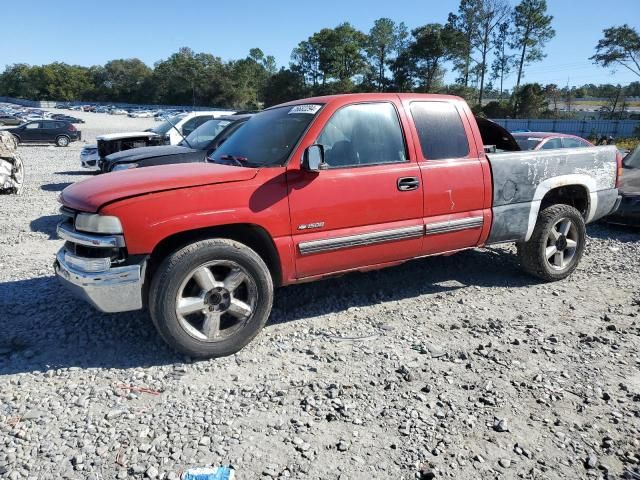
[453, 367]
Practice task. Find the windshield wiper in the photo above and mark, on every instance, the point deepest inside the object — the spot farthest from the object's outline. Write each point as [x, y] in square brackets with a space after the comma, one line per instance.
[240, 161]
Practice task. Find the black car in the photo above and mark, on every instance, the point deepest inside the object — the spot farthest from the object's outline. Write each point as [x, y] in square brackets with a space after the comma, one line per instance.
[628, 213]
[59, 132]
[195, 148]
[68, 118]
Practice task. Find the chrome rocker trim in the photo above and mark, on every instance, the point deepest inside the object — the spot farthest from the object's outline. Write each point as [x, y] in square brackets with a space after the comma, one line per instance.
[454, 225]
[118, 289]
[330, 244]
[68, 234]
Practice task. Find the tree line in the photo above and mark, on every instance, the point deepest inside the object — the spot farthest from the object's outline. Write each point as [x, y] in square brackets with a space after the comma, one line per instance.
[483, 42]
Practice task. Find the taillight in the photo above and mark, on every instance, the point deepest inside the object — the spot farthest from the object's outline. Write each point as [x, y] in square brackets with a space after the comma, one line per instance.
[71, 128]
[619, 168]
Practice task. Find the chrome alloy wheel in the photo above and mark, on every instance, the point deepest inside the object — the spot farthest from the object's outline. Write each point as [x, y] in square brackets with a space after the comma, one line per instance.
[562, 244]
[216, 300]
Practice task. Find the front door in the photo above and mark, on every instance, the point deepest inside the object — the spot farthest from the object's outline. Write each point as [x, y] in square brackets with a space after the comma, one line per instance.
[32, 132]
[366, 207]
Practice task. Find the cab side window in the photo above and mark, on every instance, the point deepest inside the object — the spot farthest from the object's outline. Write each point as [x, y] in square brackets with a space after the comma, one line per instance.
[440, 130]
[363, 134]
[574, 143]
[32, 126]
[551, 144]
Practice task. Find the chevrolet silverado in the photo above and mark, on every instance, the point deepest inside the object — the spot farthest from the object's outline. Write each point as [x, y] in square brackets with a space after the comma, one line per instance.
[320, 187]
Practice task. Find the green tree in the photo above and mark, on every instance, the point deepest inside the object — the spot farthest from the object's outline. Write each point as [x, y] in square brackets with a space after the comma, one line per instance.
[530, 101]
[188, 78]
[503, 61]
[124, 78]
[432, 46]
[284, 86]
[531, 31]
[465, 22]
[490, 14]
[620, 46]
[305, 60]
[385, 39]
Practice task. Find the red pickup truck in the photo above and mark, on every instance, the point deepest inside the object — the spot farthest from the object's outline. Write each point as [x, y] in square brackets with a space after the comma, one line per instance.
[320, 187]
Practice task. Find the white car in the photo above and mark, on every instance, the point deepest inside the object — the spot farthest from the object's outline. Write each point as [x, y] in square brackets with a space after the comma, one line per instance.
[174, 129]
[89, 157]
[117, 111]
[141, 114]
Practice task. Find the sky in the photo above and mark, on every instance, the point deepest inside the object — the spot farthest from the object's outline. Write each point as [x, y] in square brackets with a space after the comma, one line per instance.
[91, 32]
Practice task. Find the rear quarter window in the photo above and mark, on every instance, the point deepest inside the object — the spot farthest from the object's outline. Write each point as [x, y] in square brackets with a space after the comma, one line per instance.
[440, 130]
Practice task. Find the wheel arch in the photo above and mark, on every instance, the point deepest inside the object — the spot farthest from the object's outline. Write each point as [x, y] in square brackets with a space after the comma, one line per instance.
[252, 235]
[576, 190]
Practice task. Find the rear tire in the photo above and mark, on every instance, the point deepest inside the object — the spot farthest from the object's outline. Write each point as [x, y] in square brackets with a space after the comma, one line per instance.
[62, 141]
[211, 298]
[556, 245]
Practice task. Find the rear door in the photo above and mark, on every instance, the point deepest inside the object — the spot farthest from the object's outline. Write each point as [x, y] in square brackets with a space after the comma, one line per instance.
[366, 207]
[453, 176]
[49, 131]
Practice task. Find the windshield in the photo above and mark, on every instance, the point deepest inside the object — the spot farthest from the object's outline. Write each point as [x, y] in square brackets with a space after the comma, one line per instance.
[165, 126]
[267, 138]
[527, 143]
[632, 160]
[202, 136]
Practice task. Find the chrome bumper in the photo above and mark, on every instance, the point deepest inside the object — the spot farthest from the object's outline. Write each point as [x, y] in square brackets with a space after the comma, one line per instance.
[118, 289]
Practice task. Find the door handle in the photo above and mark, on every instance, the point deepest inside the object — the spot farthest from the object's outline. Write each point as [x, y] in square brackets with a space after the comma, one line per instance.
[406, 184]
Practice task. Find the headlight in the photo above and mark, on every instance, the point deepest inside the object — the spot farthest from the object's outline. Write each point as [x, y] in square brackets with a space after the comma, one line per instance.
[94, 223]
[124, 166]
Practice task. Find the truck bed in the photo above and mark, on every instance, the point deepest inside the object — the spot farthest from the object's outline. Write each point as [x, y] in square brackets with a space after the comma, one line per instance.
[522, 179]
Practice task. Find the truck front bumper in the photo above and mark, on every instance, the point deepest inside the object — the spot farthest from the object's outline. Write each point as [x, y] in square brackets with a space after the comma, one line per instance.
[117, 289]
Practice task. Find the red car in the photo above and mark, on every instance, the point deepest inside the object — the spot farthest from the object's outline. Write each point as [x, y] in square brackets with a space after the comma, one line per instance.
[320, 187]
[549, 141]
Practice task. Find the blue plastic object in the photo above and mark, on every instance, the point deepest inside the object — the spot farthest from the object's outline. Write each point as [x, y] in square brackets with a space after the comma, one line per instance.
[209, 473]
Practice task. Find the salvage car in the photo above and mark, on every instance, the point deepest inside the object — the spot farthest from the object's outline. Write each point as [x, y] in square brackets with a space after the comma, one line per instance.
[117, 142]
[628, 213]
[59, 132]
[89, 157]
[10, 120]
[201, 142]
[549, 141]
[11, 166]
[179, 126]
[319, 187]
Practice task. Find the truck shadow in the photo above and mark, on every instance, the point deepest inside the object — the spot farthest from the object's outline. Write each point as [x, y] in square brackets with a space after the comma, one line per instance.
[52, 329]
[55, 187]
[46, 224]
[621, 233]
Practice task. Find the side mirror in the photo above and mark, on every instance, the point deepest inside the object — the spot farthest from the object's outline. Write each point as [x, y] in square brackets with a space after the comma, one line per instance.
[313, 159]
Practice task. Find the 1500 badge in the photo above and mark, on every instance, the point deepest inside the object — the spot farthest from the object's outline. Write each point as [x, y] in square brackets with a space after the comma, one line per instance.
[310, 225]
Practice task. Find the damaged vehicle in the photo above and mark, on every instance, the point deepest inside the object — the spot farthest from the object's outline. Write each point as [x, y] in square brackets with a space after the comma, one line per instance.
[170, 132]
[628, 213]
[11, 166]
[320, 187]
[201, 142]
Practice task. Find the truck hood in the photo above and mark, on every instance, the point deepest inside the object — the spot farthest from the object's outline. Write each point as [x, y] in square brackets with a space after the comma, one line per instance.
[90, 195]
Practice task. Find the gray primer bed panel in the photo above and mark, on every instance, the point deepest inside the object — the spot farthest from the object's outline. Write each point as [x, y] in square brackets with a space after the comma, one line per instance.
[521, 179]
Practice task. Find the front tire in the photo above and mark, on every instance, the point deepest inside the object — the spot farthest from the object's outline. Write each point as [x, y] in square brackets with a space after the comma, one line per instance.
[211, 298]
[62, 141]
[556, 245]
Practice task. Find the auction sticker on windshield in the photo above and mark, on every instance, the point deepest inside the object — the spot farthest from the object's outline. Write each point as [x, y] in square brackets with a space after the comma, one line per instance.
[312, 109]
